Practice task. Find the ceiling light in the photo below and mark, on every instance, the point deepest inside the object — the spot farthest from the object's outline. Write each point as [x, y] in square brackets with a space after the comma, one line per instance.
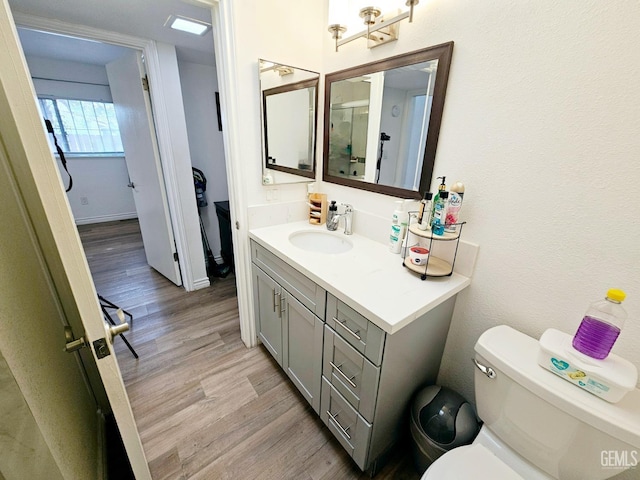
[188, 25]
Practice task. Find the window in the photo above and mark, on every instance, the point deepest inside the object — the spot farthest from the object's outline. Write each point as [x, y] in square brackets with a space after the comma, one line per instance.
[83, 127]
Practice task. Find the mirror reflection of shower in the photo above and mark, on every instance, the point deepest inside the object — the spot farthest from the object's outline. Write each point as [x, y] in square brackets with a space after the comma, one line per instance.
[379, 123]
[383, 138]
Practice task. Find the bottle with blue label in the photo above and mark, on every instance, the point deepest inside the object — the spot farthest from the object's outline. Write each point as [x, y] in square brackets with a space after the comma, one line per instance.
[601, 325]
[439, 212]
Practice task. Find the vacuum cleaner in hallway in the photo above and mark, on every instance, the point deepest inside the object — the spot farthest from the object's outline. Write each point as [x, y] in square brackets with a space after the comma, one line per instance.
[213, 268]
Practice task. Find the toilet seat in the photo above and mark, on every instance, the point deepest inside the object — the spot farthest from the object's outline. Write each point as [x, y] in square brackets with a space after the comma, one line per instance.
[471, 461]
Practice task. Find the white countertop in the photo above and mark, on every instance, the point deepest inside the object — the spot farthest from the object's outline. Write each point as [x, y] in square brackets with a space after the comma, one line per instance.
[368, 278]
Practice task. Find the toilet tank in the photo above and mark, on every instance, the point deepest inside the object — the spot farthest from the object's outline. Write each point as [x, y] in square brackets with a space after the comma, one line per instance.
[563, 430]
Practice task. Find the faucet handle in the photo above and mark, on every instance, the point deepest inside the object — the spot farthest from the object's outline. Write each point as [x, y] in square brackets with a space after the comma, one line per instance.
[348, 208]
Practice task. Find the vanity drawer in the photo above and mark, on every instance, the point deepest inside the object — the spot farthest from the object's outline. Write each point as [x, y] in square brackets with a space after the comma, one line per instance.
[363, 335]
[352, 431]
[355, 377]
[305, 290]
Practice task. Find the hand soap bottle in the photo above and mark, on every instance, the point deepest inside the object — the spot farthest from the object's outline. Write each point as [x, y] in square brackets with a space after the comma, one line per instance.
[441, 188]
[332, 211]
[439, 212]
[601, 325]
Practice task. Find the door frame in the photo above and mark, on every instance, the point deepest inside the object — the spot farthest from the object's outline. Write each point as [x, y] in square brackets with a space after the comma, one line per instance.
[144, 168]
[224, 43]
[223, 23]
[160, 121]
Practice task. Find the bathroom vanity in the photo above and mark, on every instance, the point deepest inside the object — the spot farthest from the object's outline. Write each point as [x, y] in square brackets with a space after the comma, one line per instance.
[356, 333]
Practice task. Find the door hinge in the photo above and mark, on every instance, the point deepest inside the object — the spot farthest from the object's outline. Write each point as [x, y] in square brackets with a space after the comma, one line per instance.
[175, 256]
[145, 83]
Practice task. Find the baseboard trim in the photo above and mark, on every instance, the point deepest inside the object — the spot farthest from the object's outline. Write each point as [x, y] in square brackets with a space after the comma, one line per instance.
[106, 218]
[201, 283]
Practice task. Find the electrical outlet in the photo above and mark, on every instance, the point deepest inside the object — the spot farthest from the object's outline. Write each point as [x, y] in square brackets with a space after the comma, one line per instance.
[84, 201]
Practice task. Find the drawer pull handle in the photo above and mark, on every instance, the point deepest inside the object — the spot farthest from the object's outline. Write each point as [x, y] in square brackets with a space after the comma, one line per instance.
[344, 325]
[340, 427]
[337, 368]
[278, 303]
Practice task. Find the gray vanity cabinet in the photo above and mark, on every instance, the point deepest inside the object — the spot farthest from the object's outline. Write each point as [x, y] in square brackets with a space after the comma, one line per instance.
[370, 376]
[302, 348]
[286, 305]
[267, 297]
[358, 378]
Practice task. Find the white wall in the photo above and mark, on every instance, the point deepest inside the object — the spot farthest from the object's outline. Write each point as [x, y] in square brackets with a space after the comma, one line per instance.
[51, 77]
[199, 84]
[540, 123]
[297, 43]
[100, 192]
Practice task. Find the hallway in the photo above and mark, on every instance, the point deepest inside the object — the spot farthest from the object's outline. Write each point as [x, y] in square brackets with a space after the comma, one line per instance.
[205, 405]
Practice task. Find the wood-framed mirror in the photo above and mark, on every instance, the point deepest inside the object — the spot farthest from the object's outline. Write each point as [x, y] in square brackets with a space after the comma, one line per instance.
[289, 115]
[382, 122]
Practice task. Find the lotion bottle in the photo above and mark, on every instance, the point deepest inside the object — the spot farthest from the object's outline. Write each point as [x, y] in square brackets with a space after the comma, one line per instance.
[398, 227]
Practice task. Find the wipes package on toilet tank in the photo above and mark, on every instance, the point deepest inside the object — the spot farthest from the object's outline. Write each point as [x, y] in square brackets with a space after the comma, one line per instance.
[609, 379]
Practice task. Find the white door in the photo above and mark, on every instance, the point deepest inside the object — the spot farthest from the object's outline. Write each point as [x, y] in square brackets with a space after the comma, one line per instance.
[133, 110]
[46, 211]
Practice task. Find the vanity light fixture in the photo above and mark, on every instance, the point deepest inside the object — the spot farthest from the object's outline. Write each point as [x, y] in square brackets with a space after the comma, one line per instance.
[282, 70]
[381, 21]
[189, 25]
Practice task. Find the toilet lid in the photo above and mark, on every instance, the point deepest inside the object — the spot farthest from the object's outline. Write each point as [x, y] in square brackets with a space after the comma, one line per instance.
[472, 461]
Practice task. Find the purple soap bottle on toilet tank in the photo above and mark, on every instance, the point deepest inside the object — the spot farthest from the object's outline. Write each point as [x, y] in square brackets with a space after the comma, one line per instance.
[601, 325]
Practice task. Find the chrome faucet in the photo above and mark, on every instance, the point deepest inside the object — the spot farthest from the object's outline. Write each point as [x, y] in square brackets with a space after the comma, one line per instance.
[332, 223]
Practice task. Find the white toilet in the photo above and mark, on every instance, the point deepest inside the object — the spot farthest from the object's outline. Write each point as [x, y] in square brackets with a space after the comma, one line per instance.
[537, 425]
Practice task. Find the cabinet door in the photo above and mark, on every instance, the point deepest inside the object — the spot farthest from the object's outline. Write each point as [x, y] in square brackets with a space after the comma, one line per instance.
[267, 298]
[302, 348]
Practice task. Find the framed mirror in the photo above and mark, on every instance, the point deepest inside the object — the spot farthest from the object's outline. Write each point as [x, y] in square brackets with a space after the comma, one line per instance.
[382, 121]
[289, 116]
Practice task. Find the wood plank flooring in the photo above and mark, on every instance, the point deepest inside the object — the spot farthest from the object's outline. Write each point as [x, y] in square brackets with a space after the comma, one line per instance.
[205, 405]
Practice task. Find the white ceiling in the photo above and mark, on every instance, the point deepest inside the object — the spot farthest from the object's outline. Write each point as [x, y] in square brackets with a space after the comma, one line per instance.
[139, 18]
[61, 47]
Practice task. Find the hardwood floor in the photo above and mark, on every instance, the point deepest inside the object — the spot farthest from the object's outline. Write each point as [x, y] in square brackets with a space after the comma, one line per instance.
[205, 405]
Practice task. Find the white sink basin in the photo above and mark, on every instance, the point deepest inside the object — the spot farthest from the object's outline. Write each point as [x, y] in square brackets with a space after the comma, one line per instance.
[320, 241]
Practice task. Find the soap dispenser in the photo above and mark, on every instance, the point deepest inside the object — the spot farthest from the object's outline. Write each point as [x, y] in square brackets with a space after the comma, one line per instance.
[333, 211]
[441, 188]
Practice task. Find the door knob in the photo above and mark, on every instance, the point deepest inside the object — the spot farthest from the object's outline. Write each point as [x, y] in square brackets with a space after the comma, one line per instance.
[113, 330]
[72, 344]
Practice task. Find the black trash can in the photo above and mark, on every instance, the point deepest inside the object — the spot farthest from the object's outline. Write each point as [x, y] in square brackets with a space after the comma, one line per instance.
[441, 420]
